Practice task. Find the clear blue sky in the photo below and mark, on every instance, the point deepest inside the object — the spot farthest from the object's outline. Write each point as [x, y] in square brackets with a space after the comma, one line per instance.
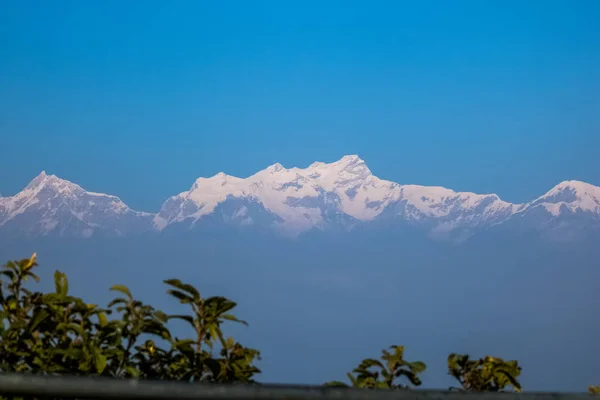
[138, 99]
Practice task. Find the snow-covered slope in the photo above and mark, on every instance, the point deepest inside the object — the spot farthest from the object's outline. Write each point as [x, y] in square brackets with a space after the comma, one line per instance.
[299, 199]
[325, 195]
[569, 197]
[338, 196]
[53, 206]
[569, 211]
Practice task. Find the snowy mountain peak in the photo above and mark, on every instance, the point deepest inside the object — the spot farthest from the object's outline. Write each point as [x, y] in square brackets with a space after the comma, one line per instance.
[576, 186]
[347, 172]
[51, 204]
[571, 196]
[41, 176]
[350, 158]
[214, 182]
[41, 179]
[44, 183]
[351, 162]
[275, 168]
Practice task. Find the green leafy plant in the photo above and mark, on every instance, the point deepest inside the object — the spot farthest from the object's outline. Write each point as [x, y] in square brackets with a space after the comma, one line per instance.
[59, 333]
[236, 361]
[376, 374]
[490, 374]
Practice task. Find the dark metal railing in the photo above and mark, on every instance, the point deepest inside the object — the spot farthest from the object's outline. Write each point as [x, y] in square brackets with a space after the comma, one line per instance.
[41, 387]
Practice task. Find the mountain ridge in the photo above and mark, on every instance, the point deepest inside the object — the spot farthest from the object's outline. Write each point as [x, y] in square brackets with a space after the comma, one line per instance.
[343, 194]
[49, 203]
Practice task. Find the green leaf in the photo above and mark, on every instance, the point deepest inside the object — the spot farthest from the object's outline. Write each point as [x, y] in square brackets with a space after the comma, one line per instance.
[176, 283]
[354, 381]
[10, 274]
[413, 378]
[123, 289]
[182, 297]
[12, 265]
[233, 318]
[417, 366]
[102, 319]
[161, 316]
[30, 263]
[398, 350]
[220, 304]
[38, 318]
[184, 344]
[118, 300]
[70, 327]
[61, 283]
[215, 332]
[34, 276]
[100, 362]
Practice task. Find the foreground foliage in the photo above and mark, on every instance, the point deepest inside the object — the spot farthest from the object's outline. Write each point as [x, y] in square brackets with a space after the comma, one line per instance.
[60, 333]
[375, 374]
[489, 374]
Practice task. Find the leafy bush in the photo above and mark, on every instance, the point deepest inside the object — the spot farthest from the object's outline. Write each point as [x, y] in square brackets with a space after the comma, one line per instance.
[59, 333]
[488, 374]
[594, 389]
[375, 374]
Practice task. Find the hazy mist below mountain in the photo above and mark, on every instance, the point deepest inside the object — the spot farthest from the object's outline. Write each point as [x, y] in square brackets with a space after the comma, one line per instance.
[317, 306]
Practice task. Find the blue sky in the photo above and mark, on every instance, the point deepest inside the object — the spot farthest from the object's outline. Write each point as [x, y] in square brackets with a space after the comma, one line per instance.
[138, 99]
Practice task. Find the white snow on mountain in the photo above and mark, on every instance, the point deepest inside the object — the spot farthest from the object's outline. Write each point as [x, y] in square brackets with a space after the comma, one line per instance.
[337, 195]
[50, 204]
[571, 196]
[292, 194]
[297, 196]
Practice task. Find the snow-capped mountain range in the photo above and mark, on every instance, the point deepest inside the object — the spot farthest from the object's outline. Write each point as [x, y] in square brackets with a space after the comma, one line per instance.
[342, 195]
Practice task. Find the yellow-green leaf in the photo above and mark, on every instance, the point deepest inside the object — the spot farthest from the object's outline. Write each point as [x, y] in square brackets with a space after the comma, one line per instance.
[100, 361]
[102, 319]
[123, 289]
[30, 262]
